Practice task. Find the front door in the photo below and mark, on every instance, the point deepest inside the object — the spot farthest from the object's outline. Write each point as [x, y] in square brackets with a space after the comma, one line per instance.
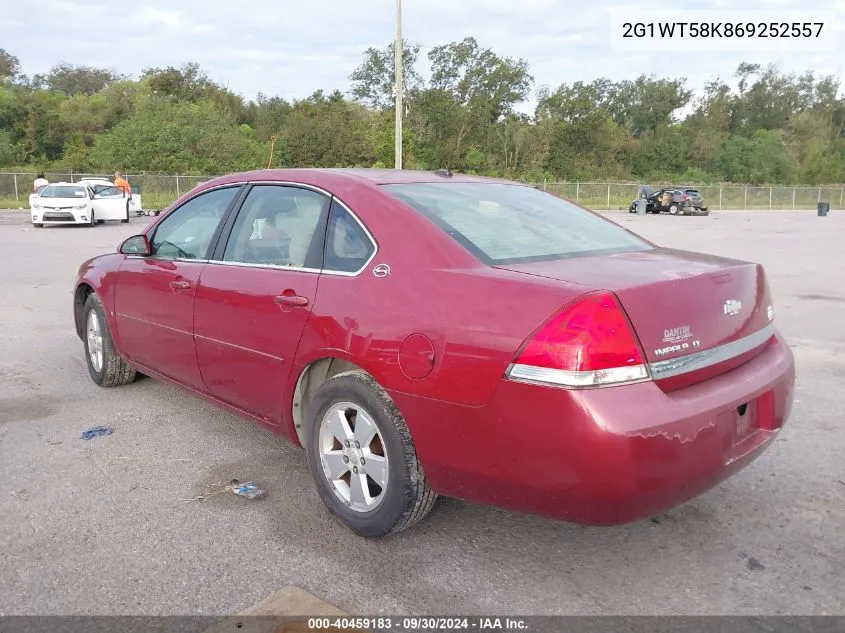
[254, 297]
[109, 203]
[154, 296]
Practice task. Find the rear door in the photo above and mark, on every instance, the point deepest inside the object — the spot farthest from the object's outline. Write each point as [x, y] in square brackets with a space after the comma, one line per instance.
[110, 203]
[255, 296]
[154, 297]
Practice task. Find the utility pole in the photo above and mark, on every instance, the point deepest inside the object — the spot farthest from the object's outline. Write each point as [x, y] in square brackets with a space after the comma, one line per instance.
[399, 85]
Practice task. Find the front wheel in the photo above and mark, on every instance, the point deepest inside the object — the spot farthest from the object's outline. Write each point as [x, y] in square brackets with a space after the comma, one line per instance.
[106, 367]
[362, 458]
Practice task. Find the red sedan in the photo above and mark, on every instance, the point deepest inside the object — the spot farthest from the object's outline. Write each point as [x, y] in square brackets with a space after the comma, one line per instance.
[425, 334]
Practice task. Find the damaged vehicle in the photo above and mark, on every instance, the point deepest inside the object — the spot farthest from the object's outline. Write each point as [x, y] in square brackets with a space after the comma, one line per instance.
[520, 351]
[672, 200]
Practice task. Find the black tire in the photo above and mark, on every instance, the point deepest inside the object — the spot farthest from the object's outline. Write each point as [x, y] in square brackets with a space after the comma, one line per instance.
[673, 209]
[38, 225]
[115, 371]
[408, 497]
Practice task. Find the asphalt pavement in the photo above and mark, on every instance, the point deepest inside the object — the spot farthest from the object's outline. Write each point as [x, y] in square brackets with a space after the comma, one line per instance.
[103, 526]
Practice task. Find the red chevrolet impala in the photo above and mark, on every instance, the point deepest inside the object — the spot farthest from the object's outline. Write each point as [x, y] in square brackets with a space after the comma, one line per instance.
[425, 334]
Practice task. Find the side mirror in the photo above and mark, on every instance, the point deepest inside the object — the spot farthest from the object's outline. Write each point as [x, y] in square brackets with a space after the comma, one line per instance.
[136, 245]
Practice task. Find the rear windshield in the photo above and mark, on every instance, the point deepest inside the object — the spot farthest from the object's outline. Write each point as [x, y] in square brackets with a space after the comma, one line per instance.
[63, 191]
[508, 224]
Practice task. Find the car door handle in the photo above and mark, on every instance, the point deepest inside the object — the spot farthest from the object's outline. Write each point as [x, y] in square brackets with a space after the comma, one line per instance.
[291, 300]
[180, 285]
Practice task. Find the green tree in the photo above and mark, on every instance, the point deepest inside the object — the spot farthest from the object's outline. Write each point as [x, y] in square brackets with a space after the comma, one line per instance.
[178, 136]
[479, 79]
[70, 80]
[10, 68]
[373, 81]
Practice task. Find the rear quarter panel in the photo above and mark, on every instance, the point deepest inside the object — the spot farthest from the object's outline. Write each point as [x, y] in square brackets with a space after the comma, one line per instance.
[476, 317]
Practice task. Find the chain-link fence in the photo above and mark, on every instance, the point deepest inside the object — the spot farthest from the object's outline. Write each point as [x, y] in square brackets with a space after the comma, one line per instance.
[159, 190]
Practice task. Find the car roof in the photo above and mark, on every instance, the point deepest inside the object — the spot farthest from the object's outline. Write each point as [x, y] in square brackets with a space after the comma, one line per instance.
[337, 175]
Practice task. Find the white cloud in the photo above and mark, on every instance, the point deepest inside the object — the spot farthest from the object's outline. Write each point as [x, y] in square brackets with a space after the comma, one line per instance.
[151, 16]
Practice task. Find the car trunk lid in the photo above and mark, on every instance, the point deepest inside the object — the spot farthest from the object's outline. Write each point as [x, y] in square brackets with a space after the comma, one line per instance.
[684, 306]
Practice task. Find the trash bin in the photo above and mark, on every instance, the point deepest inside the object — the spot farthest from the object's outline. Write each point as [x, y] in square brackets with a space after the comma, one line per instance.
[823, 208]
[641, 204]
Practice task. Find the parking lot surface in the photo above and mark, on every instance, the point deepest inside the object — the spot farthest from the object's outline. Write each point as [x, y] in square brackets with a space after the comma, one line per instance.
[102, 526]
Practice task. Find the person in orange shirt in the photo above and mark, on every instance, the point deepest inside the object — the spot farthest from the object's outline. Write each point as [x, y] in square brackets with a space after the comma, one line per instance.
[121, 183]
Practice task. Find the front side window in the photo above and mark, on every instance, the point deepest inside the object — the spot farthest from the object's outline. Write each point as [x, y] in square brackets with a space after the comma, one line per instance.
[279, 225]
[348, 247]
[187, 232]
[506, 224]
[106, 190]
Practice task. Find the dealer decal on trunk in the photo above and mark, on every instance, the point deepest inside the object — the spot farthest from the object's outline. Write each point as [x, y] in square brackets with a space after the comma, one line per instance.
[679, 337]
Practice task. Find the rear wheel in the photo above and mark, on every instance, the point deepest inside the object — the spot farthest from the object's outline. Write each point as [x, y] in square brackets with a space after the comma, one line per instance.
[106, 367]
[362, 458]
[673, 209]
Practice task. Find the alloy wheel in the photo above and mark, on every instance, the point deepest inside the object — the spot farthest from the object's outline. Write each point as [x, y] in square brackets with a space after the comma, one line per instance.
[353, 456]
[95, 341]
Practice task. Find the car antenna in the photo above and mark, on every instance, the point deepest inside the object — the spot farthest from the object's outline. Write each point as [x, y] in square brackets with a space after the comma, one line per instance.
[443, 172]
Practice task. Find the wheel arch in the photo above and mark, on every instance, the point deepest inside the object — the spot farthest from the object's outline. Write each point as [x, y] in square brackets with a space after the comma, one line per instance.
[80, 296]
[314, 375]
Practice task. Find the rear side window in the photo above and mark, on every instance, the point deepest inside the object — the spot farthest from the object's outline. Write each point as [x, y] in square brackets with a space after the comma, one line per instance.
[507, 224]
[348, 247]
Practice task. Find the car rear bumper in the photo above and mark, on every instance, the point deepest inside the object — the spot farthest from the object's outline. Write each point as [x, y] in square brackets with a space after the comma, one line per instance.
[602, 456]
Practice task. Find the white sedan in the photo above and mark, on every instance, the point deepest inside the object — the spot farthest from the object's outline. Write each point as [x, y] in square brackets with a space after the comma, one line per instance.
[78, 203]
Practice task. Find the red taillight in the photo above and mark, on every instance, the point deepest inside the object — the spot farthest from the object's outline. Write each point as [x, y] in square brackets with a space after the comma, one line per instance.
[686, 197]
[591, 343]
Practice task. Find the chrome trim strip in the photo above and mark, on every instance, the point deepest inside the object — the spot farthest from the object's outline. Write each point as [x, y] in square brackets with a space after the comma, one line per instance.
[300, 269]
[165, 259]
[709, 357]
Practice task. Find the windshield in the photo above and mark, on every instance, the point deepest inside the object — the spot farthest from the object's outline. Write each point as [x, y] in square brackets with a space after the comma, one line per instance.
[506, 224]
[63, 191]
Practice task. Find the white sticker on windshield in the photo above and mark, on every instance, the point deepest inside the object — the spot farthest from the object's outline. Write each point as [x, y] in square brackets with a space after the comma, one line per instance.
[79, 194]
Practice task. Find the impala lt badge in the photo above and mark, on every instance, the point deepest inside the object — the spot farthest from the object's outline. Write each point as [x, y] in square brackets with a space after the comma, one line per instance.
[732, 307]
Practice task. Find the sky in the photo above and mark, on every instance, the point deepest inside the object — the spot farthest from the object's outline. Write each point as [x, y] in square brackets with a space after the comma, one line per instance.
[292, 48]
